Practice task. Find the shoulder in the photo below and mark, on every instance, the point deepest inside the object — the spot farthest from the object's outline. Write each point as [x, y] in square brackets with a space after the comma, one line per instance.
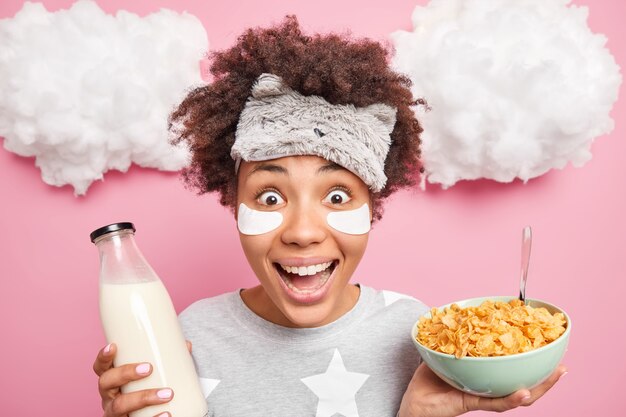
[213, 309]
[394, 307]
[387, 327]
[396, 302]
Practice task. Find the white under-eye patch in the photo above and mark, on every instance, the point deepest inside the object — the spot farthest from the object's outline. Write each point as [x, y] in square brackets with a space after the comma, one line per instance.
[254, 222]
[352, 222]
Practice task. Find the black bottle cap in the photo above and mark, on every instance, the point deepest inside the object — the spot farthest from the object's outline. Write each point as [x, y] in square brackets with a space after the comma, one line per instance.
[111, 228]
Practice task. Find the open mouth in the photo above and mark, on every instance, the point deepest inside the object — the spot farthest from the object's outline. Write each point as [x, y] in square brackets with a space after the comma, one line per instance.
[306, 279]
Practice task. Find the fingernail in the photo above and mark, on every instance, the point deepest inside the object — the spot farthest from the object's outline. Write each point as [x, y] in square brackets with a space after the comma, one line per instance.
[563, 374]
[526, 398]
[164, 393]
[166, 414]
[143, 368]
[107, 349]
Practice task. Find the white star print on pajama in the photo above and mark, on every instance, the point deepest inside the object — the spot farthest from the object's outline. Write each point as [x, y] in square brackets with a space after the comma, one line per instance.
[391, 297]
[207, 385]
[336, 389]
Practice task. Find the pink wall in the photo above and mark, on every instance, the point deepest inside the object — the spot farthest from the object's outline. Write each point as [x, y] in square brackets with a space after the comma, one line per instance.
[438, 246]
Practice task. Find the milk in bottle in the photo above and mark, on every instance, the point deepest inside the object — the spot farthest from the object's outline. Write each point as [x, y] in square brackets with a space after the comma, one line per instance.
[139, 317]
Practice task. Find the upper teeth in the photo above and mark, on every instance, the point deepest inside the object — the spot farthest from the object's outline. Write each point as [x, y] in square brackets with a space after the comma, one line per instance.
[306, 270]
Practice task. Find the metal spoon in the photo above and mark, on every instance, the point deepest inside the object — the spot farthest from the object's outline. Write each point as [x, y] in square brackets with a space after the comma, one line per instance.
[526, 241]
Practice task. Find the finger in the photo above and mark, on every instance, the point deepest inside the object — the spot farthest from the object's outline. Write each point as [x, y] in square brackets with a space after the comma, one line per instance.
[518, 398]
[104, 360]
[542, 388]
[113, 379]
[188, 348]
[473, 402]
[133, 401]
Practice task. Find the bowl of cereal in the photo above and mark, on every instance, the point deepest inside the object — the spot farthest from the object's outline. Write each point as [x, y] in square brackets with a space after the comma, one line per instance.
[493, 346]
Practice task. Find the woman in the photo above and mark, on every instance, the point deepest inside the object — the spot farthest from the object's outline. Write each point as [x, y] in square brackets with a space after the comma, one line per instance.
[303, 138]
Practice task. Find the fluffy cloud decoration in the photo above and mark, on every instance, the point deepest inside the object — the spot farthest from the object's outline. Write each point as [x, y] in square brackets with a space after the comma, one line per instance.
[516, 87]
[84, 92]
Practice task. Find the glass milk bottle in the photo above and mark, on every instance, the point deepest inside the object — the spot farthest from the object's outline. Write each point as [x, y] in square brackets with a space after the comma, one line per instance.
[139, 317]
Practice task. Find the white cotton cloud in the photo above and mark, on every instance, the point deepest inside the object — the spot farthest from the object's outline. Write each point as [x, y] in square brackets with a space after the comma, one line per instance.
[515, 87]
[85, 92]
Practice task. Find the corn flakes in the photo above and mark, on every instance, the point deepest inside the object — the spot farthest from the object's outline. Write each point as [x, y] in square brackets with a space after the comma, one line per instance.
[494, 328]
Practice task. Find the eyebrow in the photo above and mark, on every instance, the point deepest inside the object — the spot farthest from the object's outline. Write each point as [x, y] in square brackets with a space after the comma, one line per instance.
[267, 167]
[329, 167]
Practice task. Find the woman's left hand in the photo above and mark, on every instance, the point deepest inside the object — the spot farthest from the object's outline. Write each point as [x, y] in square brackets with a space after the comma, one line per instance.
[428, 396]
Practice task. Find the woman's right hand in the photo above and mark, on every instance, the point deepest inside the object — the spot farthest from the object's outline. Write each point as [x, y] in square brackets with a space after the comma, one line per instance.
[111, 379]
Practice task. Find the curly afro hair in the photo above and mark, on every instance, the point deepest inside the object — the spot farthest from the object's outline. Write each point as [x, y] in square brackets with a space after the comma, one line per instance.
[339, 69]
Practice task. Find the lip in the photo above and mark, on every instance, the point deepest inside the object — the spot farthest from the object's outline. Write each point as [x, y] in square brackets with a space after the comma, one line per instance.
[313, 297]
[304, 261]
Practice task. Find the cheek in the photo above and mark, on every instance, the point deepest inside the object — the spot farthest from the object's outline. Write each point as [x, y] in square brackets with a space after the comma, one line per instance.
[252, 222]
[353, 248]
[352, 222]
[256, 249]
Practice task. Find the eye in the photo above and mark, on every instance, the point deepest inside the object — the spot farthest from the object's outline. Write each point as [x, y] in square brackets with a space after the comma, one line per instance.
[337, 197]
[270, 198]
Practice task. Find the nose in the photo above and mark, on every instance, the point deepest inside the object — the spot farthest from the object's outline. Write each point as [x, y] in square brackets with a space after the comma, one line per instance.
[304, 228]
